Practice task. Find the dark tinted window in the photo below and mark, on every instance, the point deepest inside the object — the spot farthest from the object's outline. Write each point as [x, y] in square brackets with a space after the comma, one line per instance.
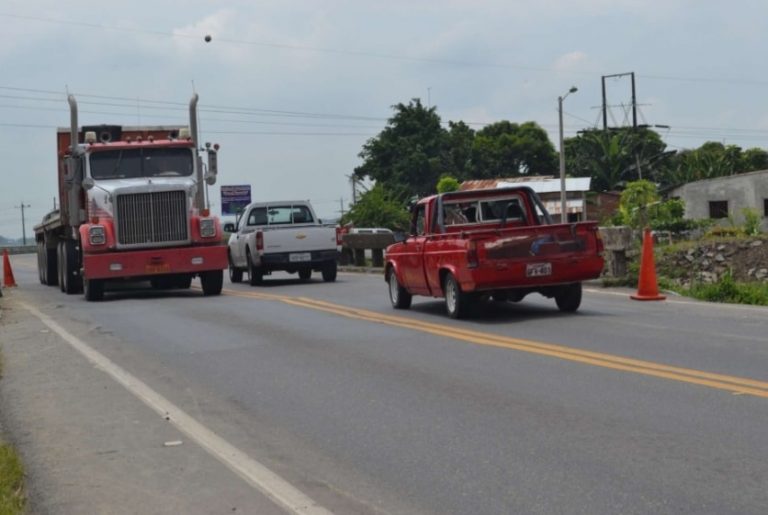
[141, 162]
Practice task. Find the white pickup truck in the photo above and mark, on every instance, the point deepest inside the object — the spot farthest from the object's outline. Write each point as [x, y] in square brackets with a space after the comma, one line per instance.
[284, 235]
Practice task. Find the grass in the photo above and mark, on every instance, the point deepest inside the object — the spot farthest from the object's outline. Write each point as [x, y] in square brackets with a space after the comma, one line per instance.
[12, 498]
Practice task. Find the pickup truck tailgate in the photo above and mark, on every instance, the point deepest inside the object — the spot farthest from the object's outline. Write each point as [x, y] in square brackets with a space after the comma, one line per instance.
[539, 255]
[299, 239]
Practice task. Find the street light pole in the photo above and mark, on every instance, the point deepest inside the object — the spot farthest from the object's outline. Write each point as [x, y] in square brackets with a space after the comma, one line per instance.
[563, 203]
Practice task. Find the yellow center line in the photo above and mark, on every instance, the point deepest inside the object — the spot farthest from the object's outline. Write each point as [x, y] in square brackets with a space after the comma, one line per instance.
[649, 368]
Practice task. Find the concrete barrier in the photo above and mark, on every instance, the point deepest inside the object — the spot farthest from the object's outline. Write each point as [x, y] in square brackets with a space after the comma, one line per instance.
[356, 245]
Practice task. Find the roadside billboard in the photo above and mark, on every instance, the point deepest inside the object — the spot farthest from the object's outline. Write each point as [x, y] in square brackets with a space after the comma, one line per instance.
[235, 198]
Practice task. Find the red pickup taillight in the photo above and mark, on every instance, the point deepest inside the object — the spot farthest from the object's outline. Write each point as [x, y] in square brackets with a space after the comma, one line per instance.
[259, 240]
[472, 259]
[599, 242]
[339, 236]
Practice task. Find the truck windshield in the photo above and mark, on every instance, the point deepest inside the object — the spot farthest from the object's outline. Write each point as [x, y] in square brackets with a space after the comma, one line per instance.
[141, 162]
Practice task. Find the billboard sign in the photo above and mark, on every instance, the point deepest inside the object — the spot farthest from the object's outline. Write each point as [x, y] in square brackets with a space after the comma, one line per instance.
[235, 198]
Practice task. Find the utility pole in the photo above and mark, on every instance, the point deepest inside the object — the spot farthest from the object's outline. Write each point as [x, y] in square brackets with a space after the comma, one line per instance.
[341, 203]
[23, 228]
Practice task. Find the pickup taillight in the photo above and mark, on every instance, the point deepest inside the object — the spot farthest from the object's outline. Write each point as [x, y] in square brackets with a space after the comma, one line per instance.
[339, 236]
[472, 259]
[259, 240]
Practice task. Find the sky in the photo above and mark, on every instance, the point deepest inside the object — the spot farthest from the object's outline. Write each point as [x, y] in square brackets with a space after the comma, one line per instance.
[292, 89]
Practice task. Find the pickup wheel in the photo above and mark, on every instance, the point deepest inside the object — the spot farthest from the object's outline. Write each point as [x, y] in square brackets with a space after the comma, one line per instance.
[255, 274]
[456, 301]
[235, 274]
[568, 297]
[305, 274]
[212, 281]
[329, 271]
[94, 289]
[398, 296]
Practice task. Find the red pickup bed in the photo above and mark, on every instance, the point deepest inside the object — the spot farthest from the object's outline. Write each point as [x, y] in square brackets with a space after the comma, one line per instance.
[500, 243]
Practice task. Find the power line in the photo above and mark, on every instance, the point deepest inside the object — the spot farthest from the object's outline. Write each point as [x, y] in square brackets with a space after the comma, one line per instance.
[378, 55]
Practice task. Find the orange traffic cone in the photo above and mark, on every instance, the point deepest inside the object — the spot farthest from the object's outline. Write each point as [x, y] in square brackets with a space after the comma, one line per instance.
[647, 289]
[8, 280]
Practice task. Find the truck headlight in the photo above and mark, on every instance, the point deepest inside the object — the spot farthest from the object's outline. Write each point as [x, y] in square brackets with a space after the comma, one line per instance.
[96, 235]
[207, 227]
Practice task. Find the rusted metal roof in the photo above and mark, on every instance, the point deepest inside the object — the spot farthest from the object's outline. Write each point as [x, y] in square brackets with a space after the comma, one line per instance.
[484, 184]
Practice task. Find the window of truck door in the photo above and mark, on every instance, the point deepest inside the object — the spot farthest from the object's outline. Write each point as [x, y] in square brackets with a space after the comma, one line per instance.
[413, 255]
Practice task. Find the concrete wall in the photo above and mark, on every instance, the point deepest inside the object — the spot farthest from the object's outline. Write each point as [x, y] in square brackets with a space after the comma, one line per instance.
[746, 190]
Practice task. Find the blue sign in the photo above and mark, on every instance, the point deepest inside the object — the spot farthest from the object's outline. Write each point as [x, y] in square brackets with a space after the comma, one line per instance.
[235, 198]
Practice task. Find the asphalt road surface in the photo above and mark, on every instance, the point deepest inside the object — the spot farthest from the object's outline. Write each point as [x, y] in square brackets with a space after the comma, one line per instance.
[319, 397]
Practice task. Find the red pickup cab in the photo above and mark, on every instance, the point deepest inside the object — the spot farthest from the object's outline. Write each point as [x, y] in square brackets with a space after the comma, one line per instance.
[499, 244]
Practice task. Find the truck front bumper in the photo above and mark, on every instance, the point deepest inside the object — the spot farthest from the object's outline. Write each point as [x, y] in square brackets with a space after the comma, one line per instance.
[147, 263]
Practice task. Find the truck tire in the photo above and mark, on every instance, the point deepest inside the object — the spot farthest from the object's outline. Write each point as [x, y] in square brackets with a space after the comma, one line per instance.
[398, 296]
[235, 274]
[456, 301]
[568, 297]
[70, 267]
[40, 250]
[94, 289]
[330, 270]
[305, 274]
[50, 267]
[255, 274]
[212, 281]
[60, 265]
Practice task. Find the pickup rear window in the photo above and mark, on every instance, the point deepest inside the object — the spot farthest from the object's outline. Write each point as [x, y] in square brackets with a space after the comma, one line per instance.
[280, 215]
[484, 211]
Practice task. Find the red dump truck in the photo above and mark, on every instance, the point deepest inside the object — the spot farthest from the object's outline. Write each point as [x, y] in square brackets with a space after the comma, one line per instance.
[501, 244]
[131, 207]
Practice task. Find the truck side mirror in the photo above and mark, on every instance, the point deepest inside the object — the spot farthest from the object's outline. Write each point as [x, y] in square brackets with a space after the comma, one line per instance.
[229, 227]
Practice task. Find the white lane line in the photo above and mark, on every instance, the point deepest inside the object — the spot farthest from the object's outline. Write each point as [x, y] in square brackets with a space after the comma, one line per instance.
[678, 300]
[257, 475]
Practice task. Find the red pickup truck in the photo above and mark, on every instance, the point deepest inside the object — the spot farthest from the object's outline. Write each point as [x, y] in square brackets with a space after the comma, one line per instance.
[469, 246]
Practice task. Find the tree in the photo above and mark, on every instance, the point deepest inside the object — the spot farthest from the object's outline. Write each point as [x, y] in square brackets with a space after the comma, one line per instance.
[754, 159]
[611, 158]
[506, 149]
[377, 209]
[408, 156]
[447, 183]
[460, 140]
[635, 202]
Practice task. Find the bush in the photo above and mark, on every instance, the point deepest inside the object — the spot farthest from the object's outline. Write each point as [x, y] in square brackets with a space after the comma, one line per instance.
[728, 290]
[751, 221]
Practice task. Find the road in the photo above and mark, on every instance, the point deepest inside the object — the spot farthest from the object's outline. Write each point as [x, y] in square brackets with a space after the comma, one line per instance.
[623, 407]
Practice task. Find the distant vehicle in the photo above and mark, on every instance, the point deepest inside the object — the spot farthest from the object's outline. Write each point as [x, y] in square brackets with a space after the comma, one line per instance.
[282, 235]
[500, 243]
[131, 208]
[370, 230]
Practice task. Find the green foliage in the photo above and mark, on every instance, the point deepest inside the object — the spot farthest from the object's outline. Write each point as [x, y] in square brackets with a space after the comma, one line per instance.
[611, 157]
[377, 209]
[11, 482]
[446, 184]
[635, 201]
[407, 157]
[752, 221]
[728, 290]
[505, 149]
[720, 231]
[712, 159]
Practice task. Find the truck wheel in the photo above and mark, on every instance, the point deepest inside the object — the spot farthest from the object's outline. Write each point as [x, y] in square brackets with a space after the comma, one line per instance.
[456, 301]
[94, 289]
[330, 270]
[40, 261]
[255, 274]
[60, 265]
[305, 274]
[398, 296]
[70, 267]
[50, 268]
[212, 282]
[568, 297]
[235, 274]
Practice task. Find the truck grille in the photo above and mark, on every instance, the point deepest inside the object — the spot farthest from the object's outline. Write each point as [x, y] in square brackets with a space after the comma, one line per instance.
[152, 219]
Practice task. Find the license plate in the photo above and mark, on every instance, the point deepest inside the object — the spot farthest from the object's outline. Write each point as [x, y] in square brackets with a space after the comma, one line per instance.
[538, 269]
[303, 256]
[157, 269]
